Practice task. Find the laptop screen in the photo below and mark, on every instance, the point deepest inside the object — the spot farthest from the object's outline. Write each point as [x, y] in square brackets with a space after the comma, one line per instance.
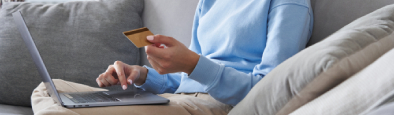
[20, 22]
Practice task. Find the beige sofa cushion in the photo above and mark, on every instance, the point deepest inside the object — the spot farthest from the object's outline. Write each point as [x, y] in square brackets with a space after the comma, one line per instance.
[289, 78]
[357, 93]
[374, 26]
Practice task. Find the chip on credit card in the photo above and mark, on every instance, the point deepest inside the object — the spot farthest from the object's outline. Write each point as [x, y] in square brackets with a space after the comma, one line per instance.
[138, 36]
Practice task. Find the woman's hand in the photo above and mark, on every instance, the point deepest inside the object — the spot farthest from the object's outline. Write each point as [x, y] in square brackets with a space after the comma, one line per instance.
[123, 74]
[173, 57]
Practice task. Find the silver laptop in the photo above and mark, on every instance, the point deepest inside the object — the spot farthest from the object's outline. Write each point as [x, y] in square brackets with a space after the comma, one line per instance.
[83, 99]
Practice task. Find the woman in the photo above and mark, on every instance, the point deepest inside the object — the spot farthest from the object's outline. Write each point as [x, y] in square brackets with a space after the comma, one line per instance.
[234, 45]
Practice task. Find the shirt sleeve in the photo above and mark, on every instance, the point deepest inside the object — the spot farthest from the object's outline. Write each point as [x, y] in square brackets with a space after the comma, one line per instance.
[158, 84]
[288, 31]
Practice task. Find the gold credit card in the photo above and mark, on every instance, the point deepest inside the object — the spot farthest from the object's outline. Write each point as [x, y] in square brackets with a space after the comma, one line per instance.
[138, 36]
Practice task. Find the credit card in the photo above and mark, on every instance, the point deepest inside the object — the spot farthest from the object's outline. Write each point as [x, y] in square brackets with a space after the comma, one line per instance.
[138, 36]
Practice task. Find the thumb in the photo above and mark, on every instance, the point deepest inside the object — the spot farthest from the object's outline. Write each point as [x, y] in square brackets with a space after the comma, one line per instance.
[160, 39]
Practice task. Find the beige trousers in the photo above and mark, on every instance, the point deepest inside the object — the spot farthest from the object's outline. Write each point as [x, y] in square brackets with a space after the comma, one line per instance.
[180, 104]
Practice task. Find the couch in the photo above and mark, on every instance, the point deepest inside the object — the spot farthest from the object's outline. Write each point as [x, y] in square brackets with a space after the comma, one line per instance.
[174, 18]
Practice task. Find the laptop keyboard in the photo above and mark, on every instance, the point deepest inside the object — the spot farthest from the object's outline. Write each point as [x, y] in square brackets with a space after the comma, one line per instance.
[90, 97]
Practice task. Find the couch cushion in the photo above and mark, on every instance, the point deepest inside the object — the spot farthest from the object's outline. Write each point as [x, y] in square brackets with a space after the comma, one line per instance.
[77, 41]
[377, 27]
[15, 110]
[331, 15]
[357, 93]
[388, 99]
[290, 77]
[383, 110]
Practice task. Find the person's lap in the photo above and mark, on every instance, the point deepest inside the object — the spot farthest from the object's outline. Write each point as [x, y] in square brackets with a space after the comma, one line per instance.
[196, 103]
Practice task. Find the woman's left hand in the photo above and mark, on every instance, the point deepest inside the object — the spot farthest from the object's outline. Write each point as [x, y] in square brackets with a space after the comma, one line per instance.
[173, 57]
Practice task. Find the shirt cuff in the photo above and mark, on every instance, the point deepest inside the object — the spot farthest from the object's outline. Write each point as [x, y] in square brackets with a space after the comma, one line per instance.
[154, 81]
[207, 72]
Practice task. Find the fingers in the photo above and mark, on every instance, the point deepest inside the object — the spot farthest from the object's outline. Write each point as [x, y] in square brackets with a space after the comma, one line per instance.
[116, 75]
[119, 68]
[102, 82]
[168, 41]
[157, 52]
[107, 78]
[155, 65]
[134, 75]
[99, 82]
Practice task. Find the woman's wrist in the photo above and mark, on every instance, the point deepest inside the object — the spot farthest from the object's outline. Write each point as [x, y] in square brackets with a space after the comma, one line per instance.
[143, 75]
[194, 57]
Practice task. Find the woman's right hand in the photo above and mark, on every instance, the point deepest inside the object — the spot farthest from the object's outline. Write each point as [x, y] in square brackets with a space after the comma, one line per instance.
[123, 74]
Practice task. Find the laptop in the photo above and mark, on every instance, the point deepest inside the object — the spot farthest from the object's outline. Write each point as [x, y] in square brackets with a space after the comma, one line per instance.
[83, 99]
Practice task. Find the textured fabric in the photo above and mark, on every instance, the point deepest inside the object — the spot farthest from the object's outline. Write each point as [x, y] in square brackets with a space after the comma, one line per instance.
[331, 15]
[357, 93]
[387, 100]
[15, 110]
[180, 104]
[373, 31]
[383, 110]
[77, 41]
[290, 77]
[239, 51]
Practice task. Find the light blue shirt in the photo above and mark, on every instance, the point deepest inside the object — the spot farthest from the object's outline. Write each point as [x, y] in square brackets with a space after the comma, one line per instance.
[239, 42]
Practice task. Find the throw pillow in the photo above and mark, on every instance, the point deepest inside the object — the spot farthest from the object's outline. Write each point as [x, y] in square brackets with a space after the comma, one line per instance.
[385, 100]
[377, 27]
[357, 93]
[287, 80]
[77, 41]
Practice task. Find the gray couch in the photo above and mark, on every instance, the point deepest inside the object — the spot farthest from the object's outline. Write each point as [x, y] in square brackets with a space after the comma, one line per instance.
[174, 18]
